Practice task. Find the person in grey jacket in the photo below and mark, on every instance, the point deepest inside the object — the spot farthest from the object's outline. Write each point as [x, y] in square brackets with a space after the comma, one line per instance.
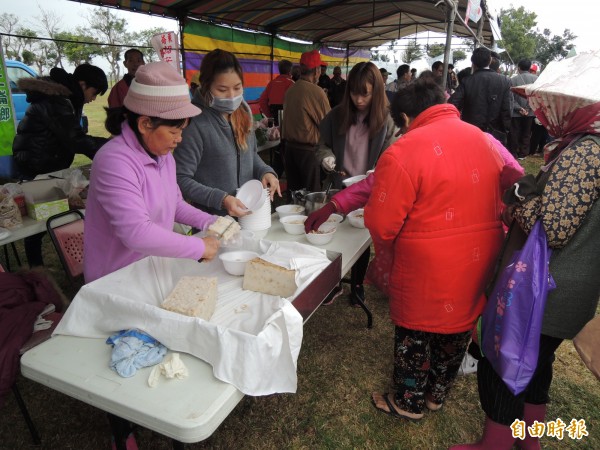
[218, 151]
[522, 115]
[352, 137]
[362, 117]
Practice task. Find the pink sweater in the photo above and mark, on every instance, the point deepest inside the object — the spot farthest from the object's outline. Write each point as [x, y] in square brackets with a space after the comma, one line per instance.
[132, 205]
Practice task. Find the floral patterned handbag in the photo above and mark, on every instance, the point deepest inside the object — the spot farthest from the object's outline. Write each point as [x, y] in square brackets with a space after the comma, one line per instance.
[511, 323]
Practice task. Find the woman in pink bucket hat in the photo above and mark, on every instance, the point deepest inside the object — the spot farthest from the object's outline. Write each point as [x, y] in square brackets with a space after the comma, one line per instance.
[133, 199]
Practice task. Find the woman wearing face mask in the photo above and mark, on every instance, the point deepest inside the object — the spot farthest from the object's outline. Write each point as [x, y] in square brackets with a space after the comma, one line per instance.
[353, 135]
[218, 151]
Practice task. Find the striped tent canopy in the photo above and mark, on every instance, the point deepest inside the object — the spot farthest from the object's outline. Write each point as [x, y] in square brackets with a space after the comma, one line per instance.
[336, 23]
[342, 30]
[258, 53]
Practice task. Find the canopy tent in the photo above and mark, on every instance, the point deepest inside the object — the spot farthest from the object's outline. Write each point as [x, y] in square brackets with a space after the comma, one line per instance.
[353, 26]
[336, 23]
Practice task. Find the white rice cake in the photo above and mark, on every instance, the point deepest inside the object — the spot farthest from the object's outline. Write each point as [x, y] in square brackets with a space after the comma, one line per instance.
[193, 296]
[263, 276]
[226, 227]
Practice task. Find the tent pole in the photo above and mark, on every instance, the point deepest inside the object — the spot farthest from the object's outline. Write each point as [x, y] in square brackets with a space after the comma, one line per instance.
[272, 52]
[449, 30]
[181, 23]
[480, 25]
[347, 58]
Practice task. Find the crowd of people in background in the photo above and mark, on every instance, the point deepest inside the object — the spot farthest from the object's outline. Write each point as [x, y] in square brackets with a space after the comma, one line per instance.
[437, 153]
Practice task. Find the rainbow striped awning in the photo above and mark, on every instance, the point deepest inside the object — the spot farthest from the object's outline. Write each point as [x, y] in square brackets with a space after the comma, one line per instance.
[336, 23]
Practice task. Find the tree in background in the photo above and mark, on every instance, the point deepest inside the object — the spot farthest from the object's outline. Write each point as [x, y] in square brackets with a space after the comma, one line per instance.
[518, 34]
[142, 40]
[412, 52]
[75, 47]
[551, 48]
[9, 23]
[469, 43]
[50, 26]
[80, 48]
[458, 55]
[435, 50]
[107, 28]
[521, 39]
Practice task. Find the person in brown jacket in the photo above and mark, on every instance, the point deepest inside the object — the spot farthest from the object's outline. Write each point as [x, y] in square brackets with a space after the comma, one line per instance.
[304, 107]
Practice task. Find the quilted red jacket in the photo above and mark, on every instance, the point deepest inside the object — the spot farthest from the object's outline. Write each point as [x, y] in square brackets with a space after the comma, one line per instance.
[435, 209]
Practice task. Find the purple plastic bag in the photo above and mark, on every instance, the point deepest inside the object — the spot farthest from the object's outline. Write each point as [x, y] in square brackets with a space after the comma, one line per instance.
[512, 319]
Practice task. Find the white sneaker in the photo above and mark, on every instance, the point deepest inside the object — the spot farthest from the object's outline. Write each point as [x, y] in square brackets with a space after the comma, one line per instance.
[468, 365]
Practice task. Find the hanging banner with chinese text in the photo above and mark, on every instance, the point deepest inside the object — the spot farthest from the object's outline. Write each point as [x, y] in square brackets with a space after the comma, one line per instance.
[7, 121]
[474, 11]
[167, 47]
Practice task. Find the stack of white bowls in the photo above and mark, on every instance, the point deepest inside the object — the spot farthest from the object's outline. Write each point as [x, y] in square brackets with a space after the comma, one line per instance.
[260, 220]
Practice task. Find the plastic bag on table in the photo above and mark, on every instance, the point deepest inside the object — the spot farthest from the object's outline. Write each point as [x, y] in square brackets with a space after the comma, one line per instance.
[75, 186]
[15, 190]
[10, 216]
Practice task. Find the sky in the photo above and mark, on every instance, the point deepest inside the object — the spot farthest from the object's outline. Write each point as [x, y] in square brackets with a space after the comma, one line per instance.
[580, 16]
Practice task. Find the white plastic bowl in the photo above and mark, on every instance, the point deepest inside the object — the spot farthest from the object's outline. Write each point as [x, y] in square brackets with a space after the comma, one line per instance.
[289, 210]
[324, 236]
[357, 218]
[252, 194]
[293, 224]
[335, 219]
[350, 181]
[235, 262]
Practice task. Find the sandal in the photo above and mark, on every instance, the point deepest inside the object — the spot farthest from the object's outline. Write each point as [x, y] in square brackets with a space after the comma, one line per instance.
[393, 409]
[432, 405]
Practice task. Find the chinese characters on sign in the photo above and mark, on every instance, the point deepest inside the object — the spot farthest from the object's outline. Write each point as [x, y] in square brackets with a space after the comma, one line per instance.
[166, 45]
[5, 113]
[554, 428]
[7, 121]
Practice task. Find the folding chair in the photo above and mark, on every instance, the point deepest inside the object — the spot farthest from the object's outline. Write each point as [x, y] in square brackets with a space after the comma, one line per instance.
[67, 237]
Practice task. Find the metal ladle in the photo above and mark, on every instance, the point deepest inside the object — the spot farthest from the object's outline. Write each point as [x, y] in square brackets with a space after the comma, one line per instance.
[327, 191]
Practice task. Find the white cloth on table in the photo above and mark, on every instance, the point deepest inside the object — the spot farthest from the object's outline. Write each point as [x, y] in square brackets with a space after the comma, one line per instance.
[252, 340]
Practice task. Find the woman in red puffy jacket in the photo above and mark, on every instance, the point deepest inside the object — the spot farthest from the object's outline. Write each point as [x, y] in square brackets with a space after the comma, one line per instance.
[434, 210]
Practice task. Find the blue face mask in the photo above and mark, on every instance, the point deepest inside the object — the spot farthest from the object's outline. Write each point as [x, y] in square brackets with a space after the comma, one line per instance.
[226, 105]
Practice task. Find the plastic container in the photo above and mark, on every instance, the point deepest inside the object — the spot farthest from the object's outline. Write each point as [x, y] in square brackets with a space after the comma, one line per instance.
[357, 218]
[235, 262]
[293, 224]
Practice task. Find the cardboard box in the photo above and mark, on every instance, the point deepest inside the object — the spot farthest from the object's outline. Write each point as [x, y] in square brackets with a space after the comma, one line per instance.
[44, 199]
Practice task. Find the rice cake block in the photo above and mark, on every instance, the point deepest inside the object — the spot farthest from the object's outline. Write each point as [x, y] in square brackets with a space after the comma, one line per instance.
[263, 276]
[226, 227]
[193, 296]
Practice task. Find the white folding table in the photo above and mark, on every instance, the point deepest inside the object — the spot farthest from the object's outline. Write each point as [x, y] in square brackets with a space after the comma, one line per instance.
[188, 410]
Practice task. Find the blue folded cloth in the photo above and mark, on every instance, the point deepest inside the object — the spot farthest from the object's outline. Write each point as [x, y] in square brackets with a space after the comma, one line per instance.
[132, 350]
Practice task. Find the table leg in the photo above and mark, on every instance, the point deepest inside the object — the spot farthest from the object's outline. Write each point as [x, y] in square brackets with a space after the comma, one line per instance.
[14, 249]
[367, 311]
[121, 429]
[6, 258]
[178, 445]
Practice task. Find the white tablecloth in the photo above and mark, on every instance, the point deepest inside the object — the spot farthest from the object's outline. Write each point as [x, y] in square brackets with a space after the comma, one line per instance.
[252, 341]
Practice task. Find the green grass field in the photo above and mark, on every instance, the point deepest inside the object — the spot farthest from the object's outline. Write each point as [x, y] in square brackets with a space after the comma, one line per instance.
[96, 116]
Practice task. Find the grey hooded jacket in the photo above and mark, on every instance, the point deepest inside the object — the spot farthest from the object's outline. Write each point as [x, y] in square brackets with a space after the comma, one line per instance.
[209, 163]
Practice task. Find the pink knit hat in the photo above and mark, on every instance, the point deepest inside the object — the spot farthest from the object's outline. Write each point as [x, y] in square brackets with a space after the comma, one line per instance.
[159, 91]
